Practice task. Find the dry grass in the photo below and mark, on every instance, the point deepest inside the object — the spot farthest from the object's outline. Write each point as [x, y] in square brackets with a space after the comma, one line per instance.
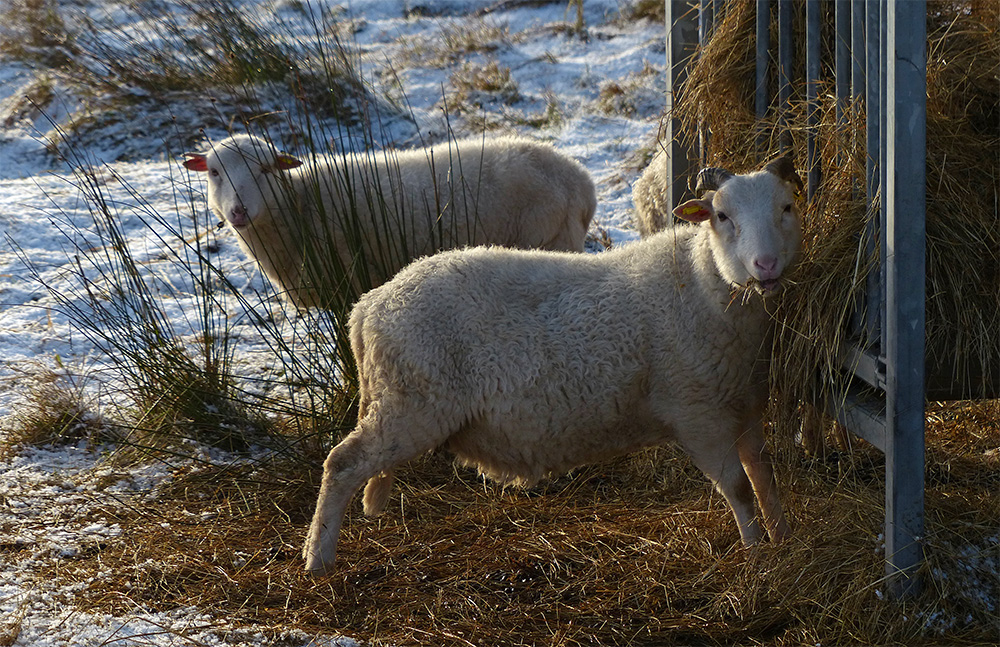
[34, 30]
[638, 92]
[455, 42]
[963, 193]
[638, 551]
[473, 86]
[56, 411]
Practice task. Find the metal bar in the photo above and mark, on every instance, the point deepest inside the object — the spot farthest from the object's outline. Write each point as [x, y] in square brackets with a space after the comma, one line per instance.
[884, 110]
[842, 63]
[761, 96]
[682, 34]
[857, 48]
[784, 72]
[862, 414]
[873, 284]
[812, 95]
[704, 20]
[858, 81]
[705, 17]
[863, 365]
[906, 88]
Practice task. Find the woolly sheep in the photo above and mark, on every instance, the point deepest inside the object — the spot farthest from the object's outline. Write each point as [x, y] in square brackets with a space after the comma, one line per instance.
[652, 214]
[508, 191]
[650, 197]
[527, 364]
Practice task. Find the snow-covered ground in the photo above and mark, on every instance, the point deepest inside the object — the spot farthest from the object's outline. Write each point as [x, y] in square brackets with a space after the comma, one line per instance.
[53, 500]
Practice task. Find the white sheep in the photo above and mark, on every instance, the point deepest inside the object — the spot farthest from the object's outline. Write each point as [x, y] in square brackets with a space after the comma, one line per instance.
[651, 198]
[527, 364]
[288, 213]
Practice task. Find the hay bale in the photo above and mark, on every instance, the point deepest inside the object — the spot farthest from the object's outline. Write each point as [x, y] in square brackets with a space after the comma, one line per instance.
[963, 193]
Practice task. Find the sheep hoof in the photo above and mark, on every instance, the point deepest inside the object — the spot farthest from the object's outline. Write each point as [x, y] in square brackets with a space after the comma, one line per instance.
[317, 566]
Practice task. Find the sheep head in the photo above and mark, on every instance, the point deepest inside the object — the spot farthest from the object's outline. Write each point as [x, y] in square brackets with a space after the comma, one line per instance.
[237, 170]
[754, 221]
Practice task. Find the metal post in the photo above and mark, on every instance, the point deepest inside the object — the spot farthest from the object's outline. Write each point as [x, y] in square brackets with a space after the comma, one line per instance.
[906, 88]
[761, 96]
[682, 34]
[842, 63]
[873, 287]
[884, 110]
[857, 49]
[812, 95]
[784, 71]
[859, 317]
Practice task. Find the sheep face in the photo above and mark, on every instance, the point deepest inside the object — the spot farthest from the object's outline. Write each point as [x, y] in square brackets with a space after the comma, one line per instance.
[755, 225]
[237, 170]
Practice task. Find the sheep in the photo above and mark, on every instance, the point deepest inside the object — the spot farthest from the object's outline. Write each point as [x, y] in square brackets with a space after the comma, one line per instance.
[651, 197]
[652, 214]
[509, 191]
[526, 364]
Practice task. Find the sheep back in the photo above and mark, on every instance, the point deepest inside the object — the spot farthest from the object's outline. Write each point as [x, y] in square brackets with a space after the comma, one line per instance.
[532, 364]
[508, 191]
[650, 197]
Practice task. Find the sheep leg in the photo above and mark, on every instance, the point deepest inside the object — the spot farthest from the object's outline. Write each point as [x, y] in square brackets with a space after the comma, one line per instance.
[715, 456]
[343, 474]
[757, 464]
[812, 429]
[369, 452]
[377, 492]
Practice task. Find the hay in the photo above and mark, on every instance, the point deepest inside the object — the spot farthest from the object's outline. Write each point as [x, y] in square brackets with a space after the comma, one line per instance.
[637, 551]
[963, 192]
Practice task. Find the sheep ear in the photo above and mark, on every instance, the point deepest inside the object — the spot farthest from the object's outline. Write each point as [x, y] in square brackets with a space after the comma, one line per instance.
[285, 162]
[195, 162]
[694, 211]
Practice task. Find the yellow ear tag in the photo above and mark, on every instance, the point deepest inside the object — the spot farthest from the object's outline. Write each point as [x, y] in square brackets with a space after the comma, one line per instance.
[690, 209]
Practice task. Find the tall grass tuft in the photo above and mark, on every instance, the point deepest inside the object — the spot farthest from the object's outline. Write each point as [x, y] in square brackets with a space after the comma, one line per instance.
[34, 30]
[57, 410]
[179, 388]
[175, 348]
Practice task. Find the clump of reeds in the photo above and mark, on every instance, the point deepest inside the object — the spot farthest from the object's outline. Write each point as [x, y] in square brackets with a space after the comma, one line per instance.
[186, 66]
[178, 375]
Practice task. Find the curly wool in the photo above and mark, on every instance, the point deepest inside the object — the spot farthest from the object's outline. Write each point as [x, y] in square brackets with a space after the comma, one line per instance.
[649, 196]
[379, 210]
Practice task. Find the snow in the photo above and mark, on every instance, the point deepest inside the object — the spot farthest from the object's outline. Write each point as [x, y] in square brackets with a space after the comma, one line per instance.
[54, 501]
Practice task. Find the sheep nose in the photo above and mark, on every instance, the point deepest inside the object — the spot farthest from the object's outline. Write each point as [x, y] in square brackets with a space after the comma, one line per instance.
[238, 216]
[768, 266]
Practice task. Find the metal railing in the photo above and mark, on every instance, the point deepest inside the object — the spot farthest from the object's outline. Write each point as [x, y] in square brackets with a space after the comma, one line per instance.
[880, 63]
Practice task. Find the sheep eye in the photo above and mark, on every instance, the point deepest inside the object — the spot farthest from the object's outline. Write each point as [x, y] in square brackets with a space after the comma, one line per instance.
[788, 208]
[722, 217]
[214, 172]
